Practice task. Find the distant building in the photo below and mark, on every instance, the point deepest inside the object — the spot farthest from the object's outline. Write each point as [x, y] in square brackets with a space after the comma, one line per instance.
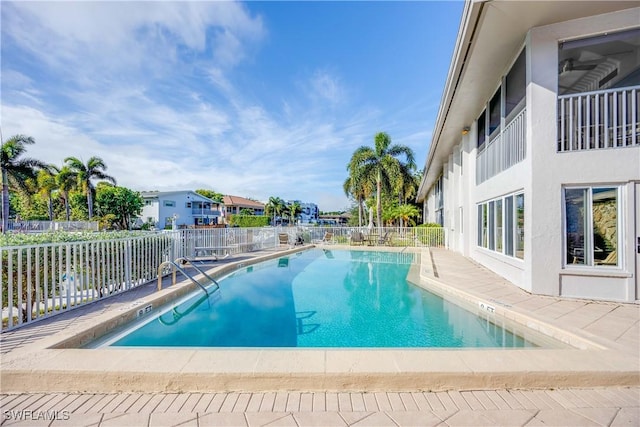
[334, 219]
[309, 212]
[234, 205]
[188, 207]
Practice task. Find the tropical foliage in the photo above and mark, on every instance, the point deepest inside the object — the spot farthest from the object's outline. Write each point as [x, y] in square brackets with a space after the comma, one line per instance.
[16, 170]
[85, 174]
[386, 170]
[210, 194]
[34, 190]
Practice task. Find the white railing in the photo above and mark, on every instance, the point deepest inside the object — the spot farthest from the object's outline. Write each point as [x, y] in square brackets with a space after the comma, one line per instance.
[504, 150]
[46, 226]
[599, 120]
[387, 236]
[39, 281]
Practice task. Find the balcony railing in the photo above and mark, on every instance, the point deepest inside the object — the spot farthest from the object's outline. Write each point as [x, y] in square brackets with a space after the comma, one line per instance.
[504, 150]
[599, 120]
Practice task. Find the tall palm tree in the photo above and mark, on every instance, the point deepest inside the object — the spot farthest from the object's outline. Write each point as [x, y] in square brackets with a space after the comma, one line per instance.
[15, 170]
[382, 166]
[47, 186]
[294, 210]
[275, 206]
[359, 188]
[67, 181]
[94, 169]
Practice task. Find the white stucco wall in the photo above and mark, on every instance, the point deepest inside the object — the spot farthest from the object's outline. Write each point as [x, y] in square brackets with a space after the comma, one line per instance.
[550, 171]
[541, 176]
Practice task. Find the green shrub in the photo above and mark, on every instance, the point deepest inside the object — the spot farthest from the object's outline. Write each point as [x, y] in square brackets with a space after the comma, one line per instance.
[249, 220]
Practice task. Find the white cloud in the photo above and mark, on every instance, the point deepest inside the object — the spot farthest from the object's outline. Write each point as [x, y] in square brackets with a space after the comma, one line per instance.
[115, 84]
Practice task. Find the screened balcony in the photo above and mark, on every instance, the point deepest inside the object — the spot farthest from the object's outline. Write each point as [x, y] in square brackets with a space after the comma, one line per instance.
[599, 92]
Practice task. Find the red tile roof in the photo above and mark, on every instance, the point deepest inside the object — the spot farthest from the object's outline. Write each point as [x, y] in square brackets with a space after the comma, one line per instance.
[242, 202]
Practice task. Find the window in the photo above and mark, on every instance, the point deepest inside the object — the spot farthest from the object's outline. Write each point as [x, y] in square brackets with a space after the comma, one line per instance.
[498, 226]
[501, 225]
[187, 205]
[494, 113]
[482, 129]
[169, 203]
[591, 226]
[508, 226]
[440, 202]
[515, 85]
[492, 226]
[520, 226]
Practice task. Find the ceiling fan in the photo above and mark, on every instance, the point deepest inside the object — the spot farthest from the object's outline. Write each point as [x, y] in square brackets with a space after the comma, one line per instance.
[571, 64]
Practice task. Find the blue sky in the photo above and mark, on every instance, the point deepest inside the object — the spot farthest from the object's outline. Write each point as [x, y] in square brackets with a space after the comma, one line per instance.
[253, 99]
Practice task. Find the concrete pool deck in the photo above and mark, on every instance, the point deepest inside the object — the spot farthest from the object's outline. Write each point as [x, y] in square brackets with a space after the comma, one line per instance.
[607, 334]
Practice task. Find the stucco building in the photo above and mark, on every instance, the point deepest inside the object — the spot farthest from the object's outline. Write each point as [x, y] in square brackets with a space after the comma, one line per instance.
[534, 164]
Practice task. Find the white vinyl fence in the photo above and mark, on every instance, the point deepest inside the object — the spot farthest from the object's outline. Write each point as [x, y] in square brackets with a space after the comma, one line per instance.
[39, 281]
[48, 226]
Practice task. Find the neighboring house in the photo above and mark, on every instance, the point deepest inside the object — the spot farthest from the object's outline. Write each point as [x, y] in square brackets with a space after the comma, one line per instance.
[234, 205]
[189, 207]
[534, 166]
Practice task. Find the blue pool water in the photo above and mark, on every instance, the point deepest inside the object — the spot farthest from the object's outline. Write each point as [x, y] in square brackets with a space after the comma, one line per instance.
[320, 298]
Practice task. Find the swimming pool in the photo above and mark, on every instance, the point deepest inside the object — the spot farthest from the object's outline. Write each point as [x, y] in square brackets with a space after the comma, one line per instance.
[320, 298]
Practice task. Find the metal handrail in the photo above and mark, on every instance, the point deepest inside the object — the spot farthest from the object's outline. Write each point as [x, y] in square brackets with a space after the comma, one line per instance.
[181, 270]
[191, 262]
[177, 315]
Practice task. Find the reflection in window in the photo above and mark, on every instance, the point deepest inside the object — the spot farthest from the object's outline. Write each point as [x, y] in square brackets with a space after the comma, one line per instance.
[484, 226]
[515, 84]
[605, 225]
[494, 113]
[575, 200]
[591, 226]
[499, 225]
[482, 130]
[492, 226]
[520, 226]
[508, 226]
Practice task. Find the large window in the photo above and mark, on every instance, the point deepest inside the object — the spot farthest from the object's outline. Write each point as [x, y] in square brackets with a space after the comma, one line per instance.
[515, 84]
[482, 130]
[501, 225]
[591, 226]
[494, 113]
[440, 201]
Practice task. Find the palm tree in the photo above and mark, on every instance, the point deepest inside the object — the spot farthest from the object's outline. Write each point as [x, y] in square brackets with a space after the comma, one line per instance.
[94, 169]
[359, 188]
[381, 165]
[405, 213]
[294, 210]
[15, 171]
[67, 181]
[47, 185]
[275, 206]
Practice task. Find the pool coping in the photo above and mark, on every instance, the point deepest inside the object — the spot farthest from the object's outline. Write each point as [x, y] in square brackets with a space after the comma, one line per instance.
[45, 366]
